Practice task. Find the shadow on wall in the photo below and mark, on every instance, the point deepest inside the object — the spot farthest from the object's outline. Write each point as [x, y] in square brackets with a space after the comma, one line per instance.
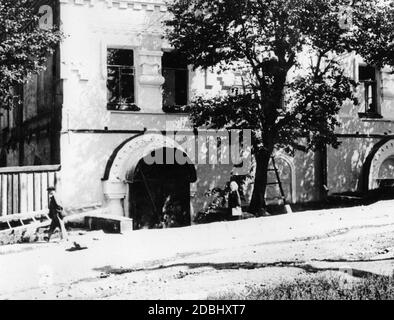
[345, 164]
[305, 176]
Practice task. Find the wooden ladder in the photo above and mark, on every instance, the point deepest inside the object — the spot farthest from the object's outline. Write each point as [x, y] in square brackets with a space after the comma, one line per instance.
[282, 196]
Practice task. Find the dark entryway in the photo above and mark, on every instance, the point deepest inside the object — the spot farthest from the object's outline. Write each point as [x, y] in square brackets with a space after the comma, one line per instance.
[160, 193]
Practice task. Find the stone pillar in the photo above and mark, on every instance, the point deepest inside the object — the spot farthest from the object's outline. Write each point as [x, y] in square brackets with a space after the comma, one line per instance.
[150, 78]
[115, 194]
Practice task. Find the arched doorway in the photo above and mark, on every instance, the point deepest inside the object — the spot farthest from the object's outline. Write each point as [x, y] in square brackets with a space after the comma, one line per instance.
[143, 190]
[159, 193]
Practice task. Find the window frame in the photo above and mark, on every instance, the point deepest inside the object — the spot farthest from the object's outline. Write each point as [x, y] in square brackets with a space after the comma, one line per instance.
[375, 113]
[134, 104]
[175, 108]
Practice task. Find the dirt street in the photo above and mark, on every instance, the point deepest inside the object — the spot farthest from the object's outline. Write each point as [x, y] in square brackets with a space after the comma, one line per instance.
[203, 261]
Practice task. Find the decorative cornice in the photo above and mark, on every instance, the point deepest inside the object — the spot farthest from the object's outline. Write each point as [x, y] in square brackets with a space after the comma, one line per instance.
[148, 5]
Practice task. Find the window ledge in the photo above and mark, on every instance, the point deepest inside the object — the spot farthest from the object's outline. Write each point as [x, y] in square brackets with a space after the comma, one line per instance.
[135, 112]
[176, 109]
[131, 107]
[155, 113]
[378, 120]
[177, 112]
[370, 116]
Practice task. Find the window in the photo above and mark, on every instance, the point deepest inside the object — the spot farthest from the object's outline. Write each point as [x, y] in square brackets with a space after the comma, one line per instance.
[176, 75]
[120, 81]
[368, 79]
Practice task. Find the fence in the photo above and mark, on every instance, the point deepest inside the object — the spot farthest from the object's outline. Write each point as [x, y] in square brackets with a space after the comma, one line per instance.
[24, 189]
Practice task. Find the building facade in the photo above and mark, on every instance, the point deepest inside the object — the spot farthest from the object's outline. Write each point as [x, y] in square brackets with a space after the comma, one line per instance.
[114, 77]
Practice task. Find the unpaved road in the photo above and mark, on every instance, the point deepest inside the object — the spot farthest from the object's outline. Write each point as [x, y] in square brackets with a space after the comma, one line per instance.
[204, 261]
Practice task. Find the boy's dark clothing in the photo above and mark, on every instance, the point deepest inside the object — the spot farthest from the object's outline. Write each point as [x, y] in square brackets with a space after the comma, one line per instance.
[56, 215]
[55, 209]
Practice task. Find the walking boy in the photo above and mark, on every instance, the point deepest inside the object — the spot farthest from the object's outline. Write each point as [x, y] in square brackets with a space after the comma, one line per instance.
[56, 215]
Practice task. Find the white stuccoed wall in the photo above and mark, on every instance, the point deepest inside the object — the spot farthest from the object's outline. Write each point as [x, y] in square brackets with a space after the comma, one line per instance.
[91, 27]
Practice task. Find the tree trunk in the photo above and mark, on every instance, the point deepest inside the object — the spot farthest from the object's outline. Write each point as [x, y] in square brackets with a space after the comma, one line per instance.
[257, 204]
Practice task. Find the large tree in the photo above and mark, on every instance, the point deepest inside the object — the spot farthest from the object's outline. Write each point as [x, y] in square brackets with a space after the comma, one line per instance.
[24, 46]
[289, 52]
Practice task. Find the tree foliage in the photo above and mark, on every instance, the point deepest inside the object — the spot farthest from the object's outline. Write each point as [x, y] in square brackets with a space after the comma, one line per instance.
[24, 46]
[373, 33]
[289, 52]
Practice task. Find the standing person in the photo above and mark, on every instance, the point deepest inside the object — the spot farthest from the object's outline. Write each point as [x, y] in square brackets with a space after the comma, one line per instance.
[234, 201]
[56, 215]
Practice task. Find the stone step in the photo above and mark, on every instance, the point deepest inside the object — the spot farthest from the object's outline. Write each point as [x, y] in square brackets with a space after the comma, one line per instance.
[108, 223]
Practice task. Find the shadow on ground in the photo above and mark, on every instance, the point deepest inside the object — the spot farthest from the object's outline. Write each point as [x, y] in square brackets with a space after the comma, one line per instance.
[308, 268]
